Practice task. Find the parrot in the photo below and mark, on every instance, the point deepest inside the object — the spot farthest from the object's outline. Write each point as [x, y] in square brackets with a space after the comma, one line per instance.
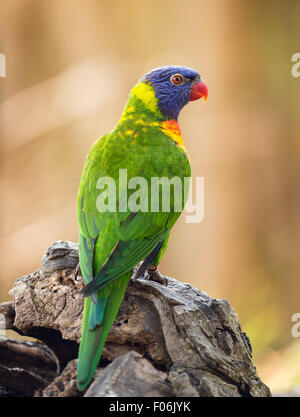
[146, 143]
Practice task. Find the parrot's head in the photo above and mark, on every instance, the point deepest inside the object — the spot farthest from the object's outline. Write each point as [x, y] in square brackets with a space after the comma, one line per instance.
[174, 87]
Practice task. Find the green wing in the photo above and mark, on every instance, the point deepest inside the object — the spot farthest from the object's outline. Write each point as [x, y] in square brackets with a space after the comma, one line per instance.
[112, 243]
[124, 257]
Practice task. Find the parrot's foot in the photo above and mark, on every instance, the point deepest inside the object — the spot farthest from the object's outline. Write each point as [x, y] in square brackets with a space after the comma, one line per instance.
[134, 277]
[77, 272]
[153, 274]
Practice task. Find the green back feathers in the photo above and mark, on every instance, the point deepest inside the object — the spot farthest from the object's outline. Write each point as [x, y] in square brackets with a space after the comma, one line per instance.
[112, 243]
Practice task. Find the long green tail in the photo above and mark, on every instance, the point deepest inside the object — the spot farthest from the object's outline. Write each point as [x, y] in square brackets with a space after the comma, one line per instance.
[97, 322]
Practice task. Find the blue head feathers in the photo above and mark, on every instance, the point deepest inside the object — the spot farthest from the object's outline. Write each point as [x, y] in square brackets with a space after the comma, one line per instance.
[172, 86]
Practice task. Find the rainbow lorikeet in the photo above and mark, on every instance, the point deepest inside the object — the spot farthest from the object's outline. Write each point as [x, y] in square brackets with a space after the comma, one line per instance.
[147, 143]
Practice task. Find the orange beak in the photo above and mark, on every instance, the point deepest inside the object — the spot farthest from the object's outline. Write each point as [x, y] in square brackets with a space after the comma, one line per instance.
[199, 90]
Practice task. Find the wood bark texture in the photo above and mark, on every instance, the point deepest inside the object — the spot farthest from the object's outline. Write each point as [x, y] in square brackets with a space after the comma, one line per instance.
[167, 341]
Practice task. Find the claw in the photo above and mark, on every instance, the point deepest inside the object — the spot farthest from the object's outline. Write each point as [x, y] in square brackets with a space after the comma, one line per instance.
[134, 276]
[153, 274]
[77, 272]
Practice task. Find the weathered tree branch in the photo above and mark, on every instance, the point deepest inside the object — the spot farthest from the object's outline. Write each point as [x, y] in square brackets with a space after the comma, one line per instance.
[175, 339]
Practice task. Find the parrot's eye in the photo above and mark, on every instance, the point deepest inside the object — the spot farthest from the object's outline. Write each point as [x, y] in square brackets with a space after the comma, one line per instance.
[176, 79]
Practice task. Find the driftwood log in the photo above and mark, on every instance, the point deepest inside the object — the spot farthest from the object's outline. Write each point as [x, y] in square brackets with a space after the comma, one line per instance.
[167, 341]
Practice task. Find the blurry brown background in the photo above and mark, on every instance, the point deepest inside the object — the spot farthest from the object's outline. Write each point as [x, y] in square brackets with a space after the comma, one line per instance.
[70, 66]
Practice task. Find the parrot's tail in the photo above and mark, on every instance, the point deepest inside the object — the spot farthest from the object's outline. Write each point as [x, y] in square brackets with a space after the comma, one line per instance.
[97, 321]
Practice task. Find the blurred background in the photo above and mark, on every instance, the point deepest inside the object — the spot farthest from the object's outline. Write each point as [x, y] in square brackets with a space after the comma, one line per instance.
[70, 66]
